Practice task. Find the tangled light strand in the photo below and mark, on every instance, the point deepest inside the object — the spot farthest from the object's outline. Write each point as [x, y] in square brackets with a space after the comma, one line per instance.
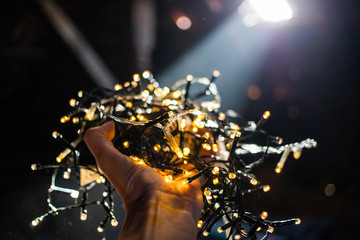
[183, 139]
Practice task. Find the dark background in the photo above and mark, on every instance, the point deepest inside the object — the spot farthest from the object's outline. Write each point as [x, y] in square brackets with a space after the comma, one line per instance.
[310, 65]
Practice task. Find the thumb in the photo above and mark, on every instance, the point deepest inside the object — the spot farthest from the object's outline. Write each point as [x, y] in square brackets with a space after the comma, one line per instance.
[115, 165]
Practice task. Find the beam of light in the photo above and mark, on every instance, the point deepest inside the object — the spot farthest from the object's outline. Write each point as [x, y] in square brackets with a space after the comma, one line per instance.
[82, 49]
[233, 49]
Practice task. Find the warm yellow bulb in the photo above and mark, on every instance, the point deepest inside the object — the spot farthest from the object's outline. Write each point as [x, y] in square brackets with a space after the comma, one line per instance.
[237, 237]
[126, 144]
[222, 116]
[133, 118]
[216, 181]
[253, 181]
[140, 117]
[278, 169]
[118, 87]
[179, 153]
[270, 229]
[215, 147]
[114, 223]
[157, 147]
[189, 77]
[215, 170]
[72, 102]
[183, 124]
[35, 222]
[80, 94]
[297, 154]
[264, 215]
[158, 91]
[195, 129]
[128, 104]
[136, 77]
[145, 93]
[266, 188]
[266, 115]
[206, 146]
[176, 94]
[298, 221]
[100, 229]
[200, 223]
[219, 230]
[186, 151]
[64, 119]
[232, 175]
[75, 120]
[55, 134]
[168, 178]
[207, 193]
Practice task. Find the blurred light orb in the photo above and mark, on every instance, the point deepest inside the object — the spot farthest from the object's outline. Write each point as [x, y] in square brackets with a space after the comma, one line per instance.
[254, 92]
[183, 22]
[329, 189]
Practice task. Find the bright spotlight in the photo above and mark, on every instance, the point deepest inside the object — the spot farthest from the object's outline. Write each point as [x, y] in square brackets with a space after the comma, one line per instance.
[256, 11]
[272, 10]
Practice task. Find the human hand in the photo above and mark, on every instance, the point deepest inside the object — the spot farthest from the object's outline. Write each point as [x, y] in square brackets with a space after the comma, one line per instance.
[155, 209]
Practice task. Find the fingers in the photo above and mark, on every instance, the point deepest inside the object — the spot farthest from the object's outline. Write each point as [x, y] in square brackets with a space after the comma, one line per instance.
[114, 164]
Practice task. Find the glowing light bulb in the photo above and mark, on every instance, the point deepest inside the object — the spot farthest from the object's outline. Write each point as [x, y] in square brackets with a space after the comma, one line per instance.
[215, 147]
[128, 104]
[117, 87]
[195, 129]
[298, 221]
[136, 77]
[222, 116]
[297, 154]
[253, 181]
[140, 117]
[278, 169]
[207, 192]
[216, 181]
[206, 146]
[72, 102]
[146, 74]
[55, 134]
[80, 94]
[64, 119]
[216, 73]
[126, 144]
[157, 147]
[200, 223]
[168, 178]
[145, 93]
[219, 230]
[266, 115]
[179, 153]
[266, 188]
[83, 216]
[33, 167]
[237, 237]
[232, 175]
[183, 124]
[100, 180]
[270, 229]
[133, 118]
[205, 233]
[189, 77]
[75, 120]
[35, 222]
[186, 151]
[264, 215]
[206, 135]
[100, 229]
[215, 170]
[176, 94]
[114, 223]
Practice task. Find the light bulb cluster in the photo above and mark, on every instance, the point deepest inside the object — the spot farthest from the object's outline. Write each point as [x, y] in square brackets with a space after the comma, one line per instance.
[167, 128]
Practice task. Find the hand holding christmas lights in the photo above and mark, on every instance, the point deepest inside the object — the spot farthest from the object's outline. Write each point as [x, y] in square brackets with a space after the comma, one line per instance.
[154, 204]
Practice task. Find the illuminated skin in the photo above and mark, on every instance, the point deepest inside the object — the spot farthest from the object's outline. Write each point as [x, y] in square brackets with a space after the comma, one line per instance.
[155, 208]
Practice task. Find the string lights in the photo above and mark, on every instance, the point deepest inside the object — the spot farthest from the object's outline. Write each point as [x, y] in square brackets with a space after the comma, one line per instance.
[167, 128]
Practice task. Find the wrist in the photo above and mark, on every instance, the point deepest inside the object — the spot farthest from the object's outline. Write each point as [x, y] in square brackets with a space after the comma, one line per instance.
[162, 216]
